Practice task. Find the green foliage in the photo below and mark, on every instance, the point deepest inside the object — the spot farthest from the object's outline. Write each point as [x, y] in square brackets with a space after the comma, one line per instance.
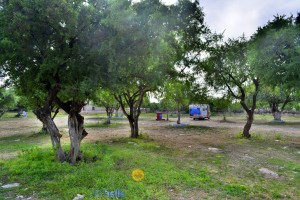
[105, 98]
[275, 46]
[7, 100]
[142, 61]
[274, 53]
[219, 104]
[49, 51]
[227, 67]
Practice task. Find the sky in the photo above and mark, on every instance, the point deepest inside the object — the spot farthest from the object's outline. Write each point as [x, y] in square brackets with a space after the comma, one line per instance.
[236, 17]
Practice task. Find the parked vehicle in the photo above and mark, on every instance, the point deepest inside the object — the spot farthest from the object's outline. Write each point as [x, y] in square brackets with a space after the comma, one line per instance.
[199, 111]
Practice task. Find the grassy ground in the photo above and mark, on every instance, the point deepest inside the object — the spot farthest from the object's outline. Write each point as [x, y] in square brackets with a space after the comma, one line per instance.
[176, 162]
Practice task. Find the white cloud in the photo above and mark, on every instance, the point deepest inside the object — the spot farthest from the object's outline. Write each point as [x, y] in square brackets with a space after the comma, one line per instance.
[239, 16]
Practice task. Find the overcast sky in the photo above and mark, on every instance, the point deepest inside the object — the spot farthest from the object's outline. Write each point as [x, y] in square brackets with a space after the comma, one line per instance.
[236, 17]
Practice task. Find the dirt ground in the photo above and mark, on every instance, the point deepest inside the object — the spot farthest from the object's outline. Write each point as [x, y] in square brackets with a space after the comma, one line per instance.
[198, 134]
[164, 131]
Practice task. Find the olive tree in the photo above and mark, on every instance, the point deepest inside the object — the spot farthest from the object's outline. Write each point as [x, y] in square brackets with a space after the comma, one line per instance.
[49, 52]
[274, 53]
[105, 98]
[149, 39]
[227, 68]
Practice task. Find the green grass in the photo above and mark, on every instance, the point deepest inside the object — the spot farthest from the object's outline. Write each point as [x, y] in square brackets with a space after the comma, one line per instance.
[108, 167]
[37, 172]
[9, 115]
[17, 143]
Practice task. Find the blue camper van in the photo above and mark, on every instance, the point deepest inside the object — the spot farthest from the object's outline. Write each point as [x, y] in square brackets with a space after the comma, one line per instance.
[199, 111]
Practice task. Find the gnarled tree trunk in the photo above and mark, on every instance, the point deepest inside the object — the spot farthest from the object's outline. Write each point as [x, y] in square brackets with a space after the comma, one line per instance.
[133, 119]
[77, 133]
[44, 115]
[134, 127]
[76, 127]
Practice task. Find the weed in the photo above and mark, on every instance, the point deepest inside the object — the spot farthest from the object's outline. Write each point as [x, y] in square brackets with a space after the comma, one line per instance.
[254, 136]
[239, 135]
[277, 195]
[277, 136]
[235, 189]
[257, 136]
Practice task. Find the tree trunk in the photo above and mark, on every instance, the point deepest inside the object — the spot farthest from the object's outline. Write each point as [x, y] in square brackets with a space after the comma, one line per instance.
[167, 115]
[134, 101]
[247, 127]
[44, 129]
[1, 113]
[250, 112]
[76, 127]
[108, 115]
[117, 113]
[77, 133]
[277, 116]
[178, 114]
[275, 111]
[108, 119]
[134, 127]
[45, 118]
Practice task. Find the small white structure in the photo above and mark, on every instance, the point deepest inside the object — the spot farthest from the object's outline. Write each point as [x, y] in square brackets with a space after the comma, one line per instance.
[24, 114]
[199, 111]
